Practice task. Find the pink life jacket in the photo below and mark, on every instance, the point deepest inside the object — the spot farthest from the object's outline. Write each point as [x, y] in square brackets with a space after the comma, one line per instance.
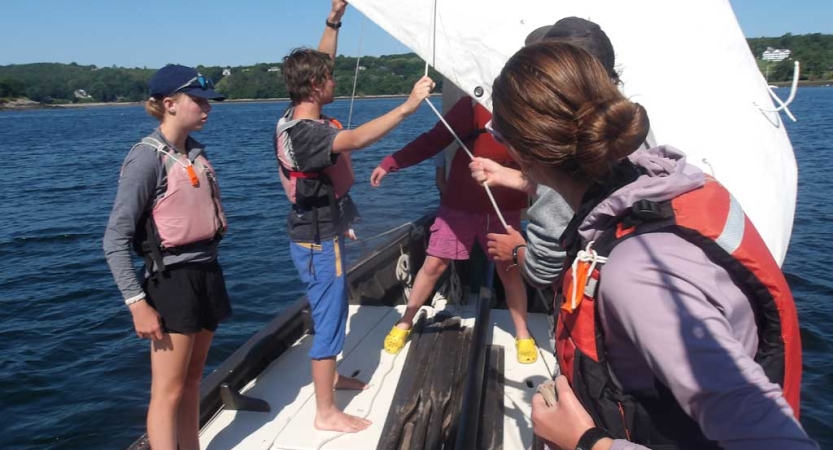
[191, 210]
[340, 174]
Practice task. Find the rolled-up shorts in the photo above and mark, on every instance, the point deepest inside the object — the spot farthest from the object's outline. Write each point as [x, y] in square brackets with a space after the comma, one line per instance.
[189, 297]
[454, 232]
[322, 269]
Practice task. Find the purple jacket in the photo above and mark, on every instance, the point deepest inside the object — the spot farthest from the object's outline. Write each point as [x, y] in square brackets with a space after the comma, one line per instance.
[668, 312]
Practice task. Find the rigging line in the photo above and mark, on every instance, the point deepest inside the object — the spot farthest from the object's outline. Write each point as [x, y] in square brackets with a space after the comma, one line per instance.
[433, 38]
[382, 234]
[447, 126]
[355, 77]
[468, 152]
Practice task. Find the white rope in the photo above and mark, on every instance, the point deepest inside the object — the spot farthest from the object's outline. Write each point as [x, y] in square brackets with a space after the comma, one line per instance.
[403, 269]
[382, 234]
[355, 77]
[586, 255]
[468, 152]
[433, 38]
[784, 104]
[447, 126]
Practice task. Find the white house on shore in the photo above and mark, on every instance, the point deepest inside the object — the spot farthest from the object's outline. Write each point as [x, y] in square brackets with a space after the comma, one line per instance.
[775, 54]
[226, 72]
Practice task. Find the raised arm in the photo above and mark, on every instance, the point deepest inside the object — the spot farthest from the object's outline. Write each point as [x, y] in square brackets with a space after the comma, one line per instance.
[329, 40]
[372, 131]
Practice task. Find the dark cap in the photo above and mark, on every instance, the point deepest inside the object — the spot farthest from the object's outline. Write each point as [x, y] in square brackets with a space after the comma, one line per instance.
[175, 78]
[581, 32]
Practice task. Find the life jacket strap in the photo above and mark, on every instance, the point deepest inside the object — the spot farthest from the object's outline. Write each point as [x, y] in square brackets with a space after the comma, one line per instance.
[296, 174]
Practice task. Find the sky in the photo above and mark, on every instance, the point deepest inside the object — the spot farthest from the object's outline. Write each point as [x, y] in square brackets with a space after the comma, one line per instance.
[152, 33]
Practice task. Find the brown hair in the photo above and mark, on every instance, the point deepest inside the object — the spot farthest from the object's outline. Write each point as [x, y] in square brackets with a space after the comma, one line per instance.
[303, 70]
[555, 104]
[155, 108]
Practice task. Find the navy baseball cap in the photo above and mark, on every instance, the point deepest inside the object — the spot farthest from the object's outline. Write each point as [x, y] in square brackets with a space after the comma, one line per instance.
[174, 78]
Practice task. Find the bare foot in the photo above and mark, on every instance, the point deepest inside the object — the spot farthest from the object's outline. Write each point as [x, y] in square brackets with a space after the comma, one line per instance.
[339, 421]
[343, 382]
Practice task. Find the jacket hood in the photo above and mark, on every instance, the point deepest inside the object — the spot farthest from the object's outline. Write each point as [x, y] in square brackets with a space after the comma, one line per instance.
[664, 175]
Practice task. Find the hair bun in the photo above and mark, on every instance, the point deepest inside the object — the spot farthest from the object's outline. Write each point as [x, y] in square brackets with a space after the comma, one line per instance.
[608, 131]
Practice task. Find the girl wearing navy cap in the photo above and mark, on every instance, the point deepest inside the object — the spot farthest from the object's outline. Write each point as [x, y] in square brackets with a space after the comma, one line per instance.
[168, 210]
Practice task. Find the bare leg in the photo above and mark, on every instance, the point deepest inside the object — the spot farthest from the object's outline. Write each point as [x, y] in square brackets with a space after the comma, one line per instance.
[515, 297]
[327, 416]
[431, 271]
[189, 406]
[169, 363]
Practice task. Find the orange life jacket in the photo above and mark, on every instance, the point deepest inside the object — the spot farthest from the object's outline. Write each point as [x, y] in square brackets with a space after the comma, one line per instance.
[712, 219]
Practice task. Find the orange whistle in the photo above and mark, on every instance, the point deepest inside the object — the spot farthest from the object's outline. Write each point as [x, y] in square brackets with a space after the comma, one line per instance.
[578, 283]
[192, 174]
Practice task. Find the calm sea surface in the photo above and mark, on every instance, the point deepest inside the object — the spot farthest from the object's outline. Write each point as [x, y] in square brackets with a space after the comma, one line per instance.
[72, 372]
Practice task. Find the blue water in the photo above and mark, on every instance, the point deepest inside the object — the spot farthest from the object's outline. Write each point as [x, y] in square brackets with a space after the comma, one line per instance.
[72, 372]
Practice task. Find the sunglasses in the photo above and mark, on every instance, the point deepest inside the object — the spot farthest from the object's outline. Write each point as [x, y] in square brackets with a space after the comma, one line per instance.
[200, 81]
[490, 128]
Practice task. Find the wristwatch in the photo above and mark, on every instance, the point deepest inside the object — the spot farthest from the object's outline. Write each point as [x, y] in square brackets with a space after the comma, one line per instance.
[515, 253]
[334, 26]
[590, 437]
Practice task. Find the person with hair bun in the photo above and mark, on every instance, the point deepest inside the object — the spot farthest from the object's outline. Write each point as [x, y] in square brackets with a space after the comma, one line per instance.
[539, 257]
[676, 328]
[168, 210]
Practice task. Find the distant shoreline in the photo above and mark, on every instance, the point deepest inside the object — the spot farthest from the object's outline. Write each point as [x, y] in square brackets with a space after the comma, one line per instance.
[21, 105]
[803, 83]
[26, 104]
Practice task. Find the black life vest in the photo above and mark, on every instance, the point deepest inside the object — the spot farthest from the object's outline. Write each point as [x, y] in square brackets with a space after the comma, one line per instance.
[317, 211]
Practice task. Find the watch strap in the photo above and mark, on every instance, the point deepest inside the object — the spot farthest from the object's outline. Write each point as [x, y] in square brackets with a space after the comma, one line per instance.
[515, 253]
[590, 437]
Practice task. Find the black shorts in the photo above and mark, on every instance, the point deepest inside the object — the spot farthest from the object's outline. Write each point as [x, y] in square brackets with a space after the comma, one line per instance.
[190, 297]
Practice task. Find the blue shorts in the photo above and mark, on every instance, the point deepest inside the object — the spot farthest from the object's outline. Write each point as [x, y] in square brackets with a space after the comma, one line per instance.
[322, 268]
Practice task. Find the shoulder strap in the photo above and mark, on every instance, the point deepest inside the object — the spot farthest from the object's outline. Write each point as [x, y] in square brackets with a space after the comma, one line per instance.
[160, 147]
[285, 122]
[644, 216]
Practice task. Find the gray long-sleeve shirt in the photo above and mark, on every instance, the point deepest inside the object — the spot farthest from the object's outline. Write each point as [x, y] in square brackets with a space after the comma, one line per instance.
[548, 217]
[142, 182]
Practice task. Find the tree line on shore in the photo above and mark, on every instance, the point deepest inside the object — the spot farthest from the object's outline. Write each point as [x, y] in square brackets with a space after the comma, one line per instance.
[55, 83]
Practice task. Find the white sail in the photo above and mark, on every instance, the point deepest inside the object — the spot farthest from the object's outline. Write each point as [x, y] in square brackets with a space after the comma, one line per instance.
[688, 63]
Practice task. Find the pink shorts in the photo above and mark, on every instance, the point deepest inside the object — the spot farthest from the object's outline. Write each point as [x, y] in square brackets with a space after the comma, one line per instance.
[453, 232]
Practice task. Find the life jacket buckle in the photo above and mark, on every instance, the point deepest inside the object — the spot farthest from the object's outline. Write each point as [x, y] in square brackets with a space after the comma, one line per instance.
[643, 211]
[647, 210]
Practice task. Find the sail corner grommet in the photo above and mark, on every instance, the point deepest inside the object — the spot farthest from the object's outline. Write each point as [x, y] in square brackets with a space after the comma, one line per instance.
[478, 92]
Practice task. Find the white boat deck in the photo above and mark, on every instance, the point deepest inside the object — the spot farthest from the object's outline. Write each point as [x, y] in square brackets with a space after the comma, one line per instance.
[287, 385]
